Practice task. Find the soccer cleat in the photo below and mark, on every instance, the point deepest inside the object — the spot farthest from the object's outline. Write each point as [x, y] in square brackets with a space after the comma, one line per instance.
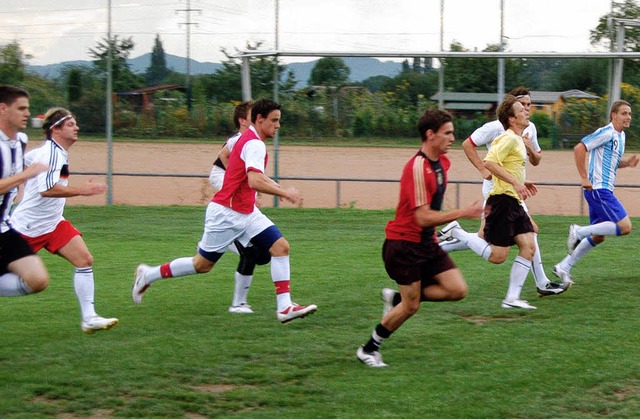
[243, 308]
[295, 311]
[565, 276]
[139, 284]
[553, 288]
[372, 359]
[517, 304]
[95, 323]
[387, 295]
[573, 240]
[445, 233]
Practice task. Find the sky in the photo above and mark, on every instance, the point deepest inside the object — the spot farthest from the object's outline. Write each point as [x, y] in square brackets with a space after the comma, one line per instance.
[58, 31]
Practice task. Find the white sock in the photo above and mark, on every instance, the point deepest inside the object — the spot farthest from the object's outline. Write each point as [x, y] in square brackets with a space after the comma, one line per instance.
[241, 289]
[536, 266]
[453, 245]
[479, 246]
[84, 287]
[174, 269]
[519, 271]
[11, 285]
[281, 277]
[578, 253]
[605, 228]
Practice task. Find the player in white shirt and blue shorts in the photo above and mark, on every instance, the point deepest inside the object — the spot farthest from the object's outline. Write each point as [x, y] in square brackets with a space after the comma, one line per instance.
[604, 149]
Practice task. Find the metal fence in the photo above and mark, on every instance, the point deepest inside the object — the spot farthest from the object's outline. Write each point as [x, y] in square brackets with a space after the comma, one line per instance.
[340, 181]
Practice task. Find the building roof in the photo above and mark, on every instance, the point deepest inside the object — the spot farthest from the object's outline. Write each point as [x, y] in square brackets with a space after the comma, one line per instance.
[484, 101]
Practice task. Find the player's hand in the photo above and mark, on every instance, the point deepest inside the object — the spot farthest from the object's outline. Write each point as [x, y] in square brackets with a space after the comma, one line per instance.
[633, 160]
[586, 184]
[293, 196]
[486, 175]
[474, 210]
[532, 189]
[527, 141]
[91, 188]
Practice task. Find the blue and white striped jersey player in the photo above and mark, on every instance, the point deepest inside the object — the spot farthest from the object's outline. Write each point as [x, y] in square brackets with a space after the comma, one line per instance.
[604, 149]
[485, 136]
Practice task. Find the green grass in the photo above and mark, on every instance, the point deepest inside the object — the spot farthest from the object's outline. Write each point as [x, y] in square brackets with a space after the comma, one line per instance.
[181, 354]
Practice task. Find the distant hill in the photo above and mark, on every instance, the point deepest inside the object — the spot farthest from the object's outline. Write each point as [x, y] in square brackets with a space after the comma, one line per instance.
[361, 68]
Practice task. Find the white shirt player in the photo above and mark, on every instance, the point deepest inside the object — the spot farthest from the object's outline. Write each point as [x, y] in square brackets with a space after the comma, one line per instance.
[489, 132]
[11, 162]
[36, 215]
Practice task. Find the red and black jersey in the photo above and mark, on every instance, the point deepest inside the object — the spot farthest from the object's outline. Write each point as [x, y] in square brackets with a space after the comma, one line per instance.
[423, 182]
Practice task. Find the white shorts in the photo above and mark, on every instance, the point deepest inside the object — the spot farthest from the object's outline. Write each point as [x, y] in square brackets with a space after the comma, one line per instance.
[216, 177]
[222, 226]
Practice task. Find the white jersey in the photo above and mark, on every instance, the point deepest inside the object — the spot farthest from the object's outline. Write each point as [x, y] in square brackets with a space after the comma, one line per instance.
[36, 215]
[11, 163]
[605, 147]
[492, 130]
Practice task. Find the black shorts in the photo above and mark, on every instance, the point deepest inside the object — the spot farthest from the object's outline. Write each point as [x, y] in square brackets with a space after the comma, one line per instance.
[12, 248]
[407, 262]
[506, 220]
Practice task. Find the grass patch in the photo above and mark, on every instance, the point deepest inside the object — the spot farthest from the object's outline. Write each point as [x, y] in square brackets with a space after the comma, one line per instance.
[180, 353]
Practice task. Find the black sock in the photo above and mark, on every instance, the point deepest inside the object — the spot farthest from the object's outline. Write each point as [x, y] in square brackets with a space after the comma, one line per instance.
[379, 334]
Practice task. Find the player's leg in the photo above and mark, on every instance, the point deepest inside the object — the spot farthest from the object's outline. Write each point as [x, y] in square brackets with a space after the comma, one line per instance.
[222, 226]
[243, 278]
[75, 251]
[21, 271]
[265, 235]
[519, 271]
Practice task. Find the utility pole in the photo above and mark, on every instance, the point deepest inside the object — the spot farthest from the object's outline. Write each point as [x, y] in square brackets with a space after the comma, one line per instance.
[109, 106]
[441, 68]
[501, 60]
[188, 24]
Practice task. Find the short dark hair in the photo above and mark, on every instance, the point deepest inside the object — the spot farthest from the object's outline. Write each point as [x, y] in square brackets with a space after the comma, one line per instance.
[432, 119]
[241, 111]
[520, 91]
[9, 94]
[505, 110]
[263, 107]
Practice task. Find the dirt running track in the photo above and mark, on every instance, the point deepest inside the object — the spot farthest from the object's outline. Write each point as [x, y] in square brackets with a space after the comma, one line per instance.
[322, 162]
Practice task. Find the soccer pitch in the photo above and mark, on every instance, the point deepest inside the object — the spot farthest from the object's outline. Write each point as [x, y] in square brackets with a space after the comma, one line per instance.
[181, 354]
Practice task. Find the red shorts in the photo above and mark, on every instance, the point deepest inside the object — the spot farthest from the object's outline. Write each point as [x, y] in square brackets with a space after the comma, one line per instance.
[55, 240]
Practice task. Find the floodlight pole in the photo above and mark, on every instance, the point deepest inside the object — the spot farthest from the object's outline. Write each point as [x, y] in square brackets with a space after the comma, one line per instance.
[441, 69]
[276, 93]
[109, 110]
[501, 60]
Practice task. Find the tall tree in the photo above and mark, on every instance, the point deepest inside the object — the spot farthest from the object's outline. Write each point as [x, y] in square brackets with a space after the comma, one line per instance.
[12, 63]
[605, 35]
[123, 77]
[329, 71]
[157, 71]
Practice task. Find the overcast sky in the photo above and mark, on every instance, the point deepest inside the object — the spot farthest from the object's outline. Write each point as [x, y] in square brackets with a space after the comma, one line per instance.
[56, 31]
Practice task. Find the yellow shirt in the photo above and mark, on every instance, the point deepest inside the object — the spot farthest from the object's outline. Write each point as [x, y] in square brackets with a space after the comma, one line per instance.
[508, 151]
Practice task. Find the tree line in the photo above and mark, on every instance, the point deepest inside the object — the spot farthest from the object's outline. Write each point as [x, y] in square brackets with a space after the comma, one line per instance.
[329, 105]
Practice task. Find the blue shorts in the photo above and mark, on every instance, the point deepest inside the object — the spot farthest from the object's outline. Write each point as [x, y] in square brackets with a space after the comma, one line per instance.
[604, 206]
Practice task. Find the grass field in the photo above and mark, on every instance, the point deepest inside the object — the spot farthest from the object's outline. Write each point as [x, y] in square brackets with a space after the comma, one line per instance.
[180, 354]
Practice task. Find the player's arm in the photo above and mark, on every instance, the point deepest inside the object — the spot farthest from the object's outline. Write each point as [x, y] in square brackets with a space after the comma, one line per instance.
[262, 183]
[525, 189]
[534, 156]
[11, 182]
[630, 162]
[580, 157]
[427, 217]
[87, 189]
[470, 150]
